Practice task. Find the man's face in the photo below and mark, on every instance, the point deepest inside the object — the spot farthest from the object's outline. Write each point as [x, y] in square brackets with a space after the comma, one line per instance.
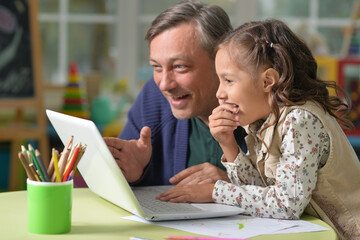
[184, 72]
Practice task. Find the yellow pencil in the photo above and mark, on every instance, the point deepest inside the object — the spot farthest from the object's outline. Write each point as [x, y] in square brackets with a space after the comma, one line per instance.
[63, 159]
[56, 166]
[71, 157]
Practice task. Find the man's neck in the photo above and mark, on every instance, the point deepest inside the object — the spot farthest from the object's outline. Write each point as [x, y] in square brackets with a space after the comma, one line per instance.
[205, 120]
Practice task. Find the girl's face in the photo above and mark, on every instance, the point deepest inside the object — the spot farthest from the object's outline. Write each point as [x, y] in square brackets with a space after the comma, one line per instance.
[238, 88]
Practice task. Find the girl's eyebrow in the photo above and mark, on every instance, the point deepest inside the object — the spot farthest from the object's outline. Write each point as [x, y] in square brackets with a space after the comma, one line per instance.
[225, 73]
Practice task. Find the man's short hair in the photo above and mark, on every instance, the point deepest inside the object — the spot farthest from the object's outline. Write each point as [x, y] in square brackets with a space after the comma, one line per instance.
[211, 20]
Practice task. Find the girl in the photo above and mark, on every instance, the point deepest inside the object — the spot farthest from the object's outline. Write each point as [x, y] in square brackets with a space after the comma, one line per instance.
[298, 158]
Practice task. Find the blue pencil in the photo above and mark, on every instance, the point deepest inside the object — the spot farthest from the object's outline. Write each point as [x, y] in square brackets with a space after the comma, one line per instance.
[42, 166]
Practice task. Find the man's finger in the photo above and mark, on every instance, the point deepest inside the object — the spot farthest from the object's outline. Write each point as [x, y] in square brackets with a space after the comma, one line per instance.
[113, 151]
[113, 142]
[205, 181]
[145, 136]
[192, 179]
[185, 173]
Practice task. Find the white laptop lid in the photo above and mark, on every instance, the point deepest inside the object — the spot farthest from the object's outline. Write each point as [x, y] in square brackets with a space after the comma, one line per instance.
[97, 165]
[104, 177]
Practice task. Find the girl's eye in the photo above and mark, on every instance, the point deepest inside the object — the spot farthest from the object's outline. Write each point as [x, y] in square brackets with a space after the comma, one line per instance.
[228, 80]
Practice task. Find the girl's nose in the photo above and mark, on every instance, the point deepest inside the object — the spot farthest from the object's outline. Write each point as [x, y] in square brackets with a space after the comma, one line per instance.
[220, 94]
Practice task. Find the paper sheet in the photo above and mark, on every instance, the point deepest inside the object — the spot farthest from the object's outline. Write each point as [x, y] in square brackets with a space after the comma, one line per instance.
[301, 226]
[238, 226]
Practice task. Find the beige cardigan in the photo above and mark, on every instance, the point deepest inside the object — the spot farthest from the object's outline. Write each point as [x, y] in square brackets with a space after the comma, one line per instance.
[336, 198]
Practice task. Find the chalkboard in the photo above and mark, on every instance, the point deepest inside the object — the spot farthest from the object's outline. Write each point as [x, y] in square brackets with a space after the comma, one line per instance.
[17, 54]
[21, 81]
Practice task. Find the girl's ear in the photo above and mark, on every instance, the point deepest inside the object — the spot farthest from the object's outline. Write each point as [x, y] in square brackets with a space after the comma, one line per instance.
[270, 77]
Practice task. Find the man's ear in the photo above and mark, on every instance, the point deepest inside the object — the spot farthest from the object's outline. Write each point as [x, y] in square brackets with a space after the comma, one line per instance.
[270, 77]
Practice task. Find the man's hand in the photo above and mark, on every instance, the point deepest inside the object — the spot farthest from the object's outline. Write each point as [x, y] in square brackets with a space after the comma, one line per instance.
[199, 174]
[193, 193]
[131, 156]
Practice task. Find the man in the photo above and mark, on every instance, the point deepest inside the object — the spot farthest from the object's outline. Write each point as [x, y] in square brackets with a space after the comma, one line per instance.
[170, 116]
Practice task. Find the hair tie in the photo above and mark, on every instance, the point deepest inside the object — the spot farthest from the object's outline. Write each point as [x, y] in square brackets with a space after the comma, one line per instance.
[270, 44]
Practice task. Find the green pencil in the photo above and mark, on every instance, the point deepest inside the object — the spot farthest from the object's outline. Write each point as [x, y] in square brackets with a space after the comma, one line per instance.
[35, 161]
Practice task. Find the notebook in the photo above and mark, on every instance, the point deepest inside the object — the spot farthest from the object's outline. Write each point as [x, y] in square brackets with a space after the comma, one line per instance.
[104, 177]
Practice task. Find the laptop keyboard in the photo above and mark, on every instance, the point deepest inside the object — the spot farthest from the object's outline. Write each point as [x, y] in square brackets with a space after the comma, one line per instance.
[147, 199]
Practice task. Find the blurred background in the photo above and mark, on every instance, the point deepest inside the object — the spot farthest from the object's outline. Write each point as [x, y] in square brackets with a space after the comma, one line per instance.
[100, 45]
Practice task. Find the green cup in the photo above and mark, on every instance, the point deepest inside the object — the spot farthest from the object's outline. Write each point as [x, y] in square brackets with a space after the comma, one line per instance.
[49, 207]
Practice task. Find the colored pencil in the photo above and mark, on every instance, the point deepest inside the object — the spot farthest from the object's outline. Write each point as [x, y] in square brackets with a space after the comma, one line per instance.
[32, 169]
[25, 163]
[63, 158]
[42, 166]
[36, 164]
[56, 166]
[50, 169]
[71, 163]
[81, 153]
[24, 150]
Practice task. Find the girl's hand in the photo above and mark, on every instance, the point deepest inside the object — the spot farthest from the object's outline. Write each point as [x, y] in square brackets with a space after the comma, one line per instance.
[222, 123]
[188, 193]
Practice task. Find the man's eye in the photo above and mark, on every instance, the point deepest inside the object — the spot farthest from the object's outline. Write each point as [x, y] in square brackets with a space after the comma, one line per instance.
[228, 80]
[179, 66]
[156, 67]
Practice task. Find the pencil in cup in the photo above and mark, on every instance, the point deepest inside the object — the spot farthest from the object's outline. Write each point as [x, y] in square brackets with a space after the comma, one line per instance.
[35, 162]
[63, 159]
[27, 154]
[50, 169]
[33, 170]
[63, 168]
[82, 151]
[28, 165]
[25, 163]
[42, 166]
[68, 162]
[55, 165]
[71, 161]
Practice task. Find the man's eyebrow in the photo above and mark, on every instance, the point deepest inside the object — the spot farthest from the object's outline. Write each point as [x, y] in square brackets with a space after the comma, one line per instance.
[152, 60]
[173, 59]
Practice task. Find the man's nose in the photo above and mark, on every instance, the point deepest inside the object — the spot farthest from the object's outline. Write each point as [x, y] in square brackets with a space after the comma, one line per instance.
[167, 81]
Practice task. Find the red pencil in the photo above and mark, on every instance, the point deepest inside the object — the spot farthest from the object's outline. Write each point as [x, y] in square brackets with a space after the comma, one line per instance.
[71, 164]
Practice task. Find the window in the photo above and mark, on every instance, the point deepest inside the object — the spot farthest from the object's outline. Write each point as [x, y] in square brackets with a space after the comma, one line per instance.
[107, 36]
[317, 21]
[80, 31]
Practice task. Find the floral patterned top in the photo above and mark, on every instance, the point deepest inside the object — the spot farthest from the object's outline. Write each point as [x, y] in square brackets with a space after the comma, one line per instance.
[304, 149]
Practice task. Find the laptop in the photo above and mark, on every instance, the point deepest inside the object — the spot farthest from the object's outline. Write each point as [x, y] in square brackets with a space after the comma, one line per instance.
[103, 176]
